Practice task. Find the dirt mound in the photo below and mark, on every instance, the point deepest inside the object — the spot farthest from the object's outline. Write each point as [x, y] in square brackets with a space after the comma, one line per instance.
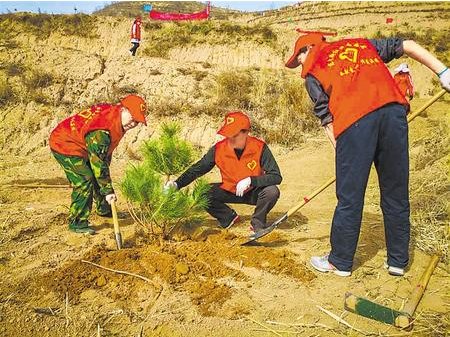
[196, 267]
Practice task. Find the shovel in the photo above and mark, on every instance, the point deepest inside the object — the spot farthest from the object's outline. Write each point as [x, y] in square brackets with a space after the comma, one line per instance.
[400, 318]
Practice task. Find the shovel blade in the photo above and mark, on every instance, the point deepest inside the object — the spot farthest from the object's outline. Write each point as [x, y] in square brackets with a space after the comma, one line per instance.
[118, 240]
[265, 231]
[377, 312]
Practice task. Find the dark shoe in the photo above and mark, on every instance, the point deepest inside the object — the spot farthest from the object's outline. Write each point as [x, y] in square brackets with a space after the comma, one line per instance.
[83, 229]
[234, 220]
[106, 215]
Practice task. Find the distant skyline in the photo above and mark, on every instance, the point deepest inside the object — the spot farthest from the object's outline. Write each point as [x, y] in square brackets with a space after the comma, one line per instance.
[87, 7]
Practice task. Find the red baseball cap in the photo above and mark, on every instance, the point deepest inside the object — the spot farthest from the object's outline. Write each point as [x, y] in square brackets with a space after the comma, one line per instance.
[303, 41]
[234, 122]
[310, 38]
[136, 106]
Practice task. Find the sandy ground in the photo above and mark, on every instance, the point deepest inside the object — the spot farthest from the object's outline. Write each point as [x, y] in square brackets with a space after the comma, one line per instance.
[203, 283]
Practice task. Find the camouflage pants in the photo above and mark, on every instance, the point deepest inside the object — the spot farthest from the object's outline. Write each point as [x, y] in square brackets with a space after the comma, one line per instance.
[85, 189]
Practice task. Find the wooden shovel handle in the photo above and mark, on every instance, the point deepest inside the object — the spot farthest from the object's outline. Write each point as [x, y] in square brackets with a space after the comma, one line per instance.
[117, 233]
[419, 289]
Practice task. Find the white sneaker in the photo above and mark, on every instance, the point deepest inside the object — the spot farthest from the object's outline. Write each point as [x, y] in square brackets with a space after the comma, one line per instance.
[394, 271]
[321, 264]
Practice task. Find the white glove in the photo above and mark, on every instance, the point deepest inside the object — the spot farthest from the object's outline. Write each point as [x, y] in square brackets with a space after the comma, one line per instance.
[170, 184]
[242, 186]
[444, 77]
[110, 197]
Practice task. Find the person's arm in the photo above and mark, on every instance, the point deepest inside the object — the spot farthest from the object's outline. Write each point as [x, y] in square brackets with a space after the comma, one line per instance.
[98, 143]
[321, 108]
[198, 169]
[272, 174]
[420, 54]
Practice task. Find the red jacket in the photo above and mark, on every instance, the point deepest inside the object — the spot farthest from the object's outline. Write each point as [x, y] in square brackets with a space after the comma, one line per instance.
[356, 81]
[68, 138]
[404, 83]
[233, 169]
[136, 31]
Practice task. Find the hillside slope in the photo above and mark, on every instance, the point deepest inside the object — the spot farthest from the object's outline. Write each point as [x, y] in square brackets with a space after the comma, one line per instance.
[85, 58]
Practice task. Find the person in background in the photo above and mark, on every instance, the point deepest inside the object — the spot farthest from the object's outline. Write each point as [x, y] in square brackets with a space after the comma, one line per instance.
[404, 81]
[135, 35]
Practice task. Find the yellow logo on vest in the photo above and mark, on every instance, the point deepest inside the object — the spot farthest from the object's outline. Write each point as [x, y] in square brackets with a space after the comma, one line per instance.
[143, 107]
[350, 54]
[252, 165]
[230, 120]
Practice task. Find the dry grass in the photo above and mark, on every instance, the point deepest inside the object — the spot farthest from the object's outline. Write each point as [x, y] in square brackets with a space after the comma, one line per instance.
[165, 107]
[278, 105]
[13, 69]
[6, 92]
[35, 81]
[110, 96]
[162, 37]
[38, 78]
[42, 25]
[430, 190]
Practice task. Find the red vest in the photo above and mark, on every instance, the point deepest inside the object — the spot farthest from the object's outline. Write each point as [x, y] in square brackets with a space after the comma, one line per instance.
[233, 169]
[356, 81]
[136, 31]
[404, 83]
[68, 138]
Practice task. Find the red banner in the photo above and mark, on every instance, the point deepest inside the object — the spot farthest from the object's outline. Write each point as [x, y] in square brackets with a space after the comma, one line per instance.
[180, 16]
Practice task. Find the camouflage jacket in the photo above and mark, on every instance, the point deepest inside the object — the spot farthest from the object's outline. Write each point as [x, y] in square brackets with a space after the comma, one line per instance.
[98, 143]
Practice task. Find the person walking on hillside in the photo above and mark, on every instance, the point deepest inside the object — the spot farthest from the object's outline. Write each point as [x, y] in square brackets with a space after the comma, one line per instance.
[135, 35]
[83, 145]
[249, 174]
[364, 113]
[404, 81]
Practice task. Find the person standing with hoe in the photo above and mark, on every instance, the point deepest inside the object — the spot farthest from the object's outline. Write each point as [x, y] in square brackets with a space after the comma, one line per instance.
[83, 145]
[364, 114]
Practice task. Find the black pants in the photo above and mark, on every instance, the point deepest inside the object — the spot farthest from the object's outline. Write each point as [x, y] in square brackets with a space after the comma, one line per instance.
[264, 198]
[134, 48]
[380, 137]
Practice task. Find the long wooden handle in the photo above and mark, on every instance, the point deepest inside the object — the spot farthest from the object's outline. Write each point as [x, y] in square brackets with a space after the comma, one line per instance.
[311, 196]
[117, 233]
[405, 321]
[332, 180]
[413, 301]
[413, 115]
